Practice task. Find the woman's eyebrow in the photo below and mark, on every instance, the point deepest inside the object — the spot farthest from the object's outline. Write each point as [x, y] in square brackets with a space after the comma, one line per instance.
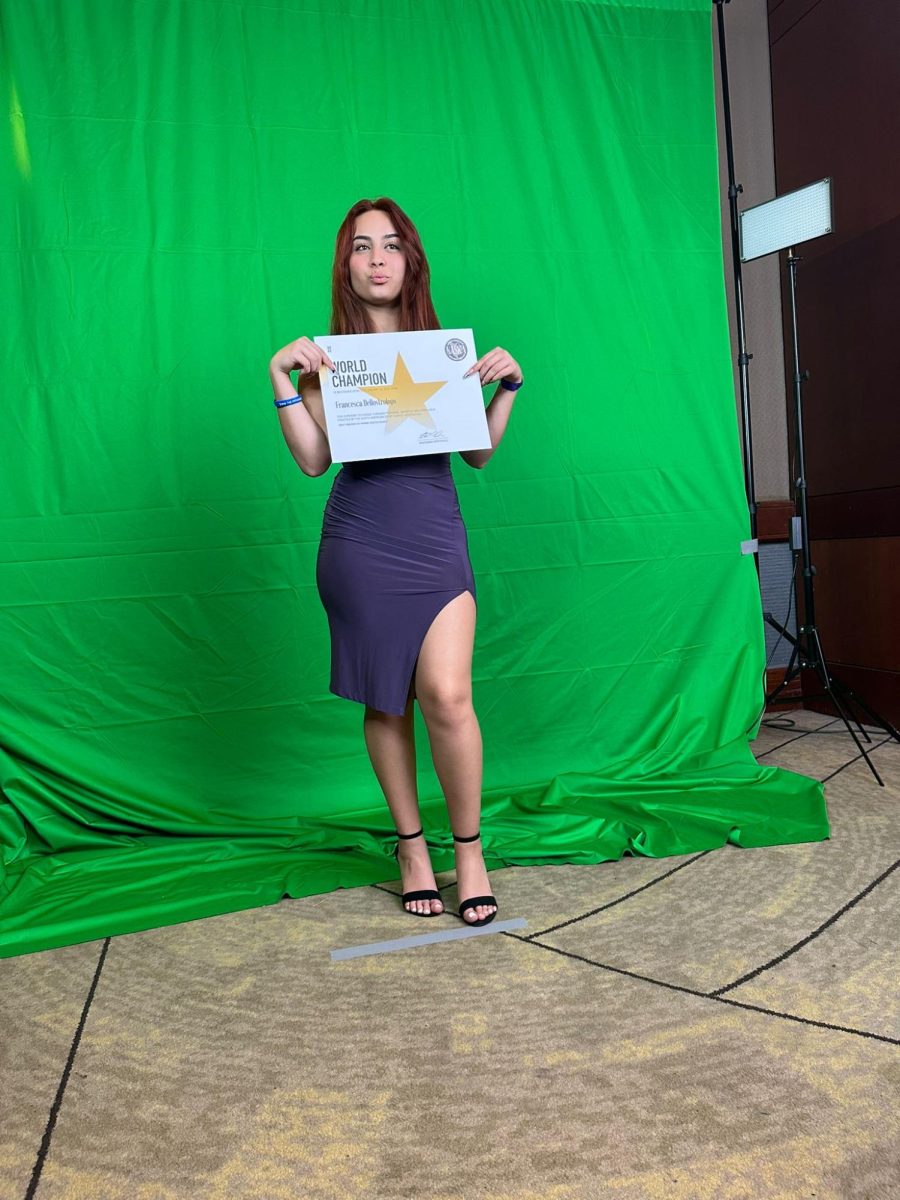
[365, 237]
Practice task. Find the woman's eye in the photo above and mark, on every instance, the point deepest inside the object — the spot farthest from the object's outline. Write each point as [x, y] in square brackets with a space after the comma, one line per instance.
[393, 246]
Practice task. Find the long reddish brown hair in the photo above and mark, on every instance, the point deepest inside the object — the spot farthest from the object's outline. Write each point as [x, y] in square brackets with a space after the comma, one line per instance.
[416, 309]
[348, 314]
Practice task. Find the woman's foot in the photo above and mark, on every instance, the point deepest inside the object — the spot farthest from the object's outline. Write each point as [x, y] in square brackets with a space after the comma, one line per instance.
[416, 874]
[472, 879]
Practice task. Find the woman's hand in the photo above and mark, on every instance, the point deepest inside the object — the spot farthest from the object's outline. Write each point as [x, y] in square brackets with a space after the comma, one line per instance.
[496, 364]
[303, 356]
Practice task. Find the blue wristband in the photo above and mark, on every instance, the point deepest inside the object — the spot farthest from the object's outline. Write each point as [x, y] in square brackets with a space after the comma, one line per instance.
[511, 387]
[291, 400]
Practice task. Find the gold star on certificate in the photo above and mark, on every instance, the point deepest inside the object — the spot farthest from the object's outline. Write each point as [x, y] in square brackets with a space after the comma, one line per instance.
[405, 398]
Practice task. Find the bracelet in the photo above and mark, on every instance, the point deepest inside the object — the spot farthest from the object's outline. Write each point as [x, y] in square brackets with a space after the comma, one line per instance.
[290, 400]
[511, 387]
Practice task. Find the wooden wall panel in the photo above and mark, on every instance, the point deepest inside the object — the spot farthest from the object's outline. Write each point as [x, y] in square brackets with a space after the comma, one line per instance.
[773, 520]
[857, 595]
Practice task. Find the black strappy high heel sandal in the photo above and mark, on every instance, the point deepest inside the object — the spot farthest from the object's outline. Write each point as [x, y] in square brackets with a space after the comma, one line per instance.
[427, 894]
[474, 901]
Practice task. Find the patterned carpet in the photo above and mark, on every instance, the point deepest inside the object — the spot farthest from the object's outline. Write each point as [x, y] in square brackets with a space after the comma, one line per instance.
[721, 1025]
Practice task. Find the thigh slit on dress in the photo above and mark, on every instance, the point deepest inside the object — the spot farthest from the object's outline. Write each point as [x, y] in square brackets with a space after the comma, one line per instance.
[393, 554]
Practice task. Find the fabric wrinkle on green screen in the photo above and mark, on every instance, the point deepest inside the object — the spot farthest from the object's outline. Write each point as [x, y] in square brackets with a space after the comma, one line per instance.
[169, 749]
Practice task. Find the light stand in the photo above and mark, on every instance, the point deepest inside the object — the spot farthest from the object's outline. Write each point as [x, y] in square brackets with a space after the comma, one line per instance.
[734, 190]
[807, 653]
[780, 224]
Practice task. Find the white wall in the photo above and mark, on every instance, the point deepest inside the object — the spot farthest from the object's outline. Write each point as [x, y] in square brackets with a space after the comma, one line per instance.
[747, 53]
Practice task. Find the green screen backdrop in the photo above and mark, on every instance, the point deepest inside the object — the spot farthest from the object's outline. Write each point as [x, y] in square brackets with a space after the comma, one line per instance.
[173, 177]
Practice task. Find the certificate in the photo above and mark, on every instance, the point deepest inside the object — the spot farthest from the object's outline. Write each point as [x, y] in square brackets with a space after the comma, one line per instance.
[399, 394]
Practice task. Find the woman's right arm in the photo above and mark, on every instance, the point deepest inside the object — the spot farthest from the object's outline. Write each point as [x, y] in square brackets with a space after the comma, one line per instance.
[305, 438]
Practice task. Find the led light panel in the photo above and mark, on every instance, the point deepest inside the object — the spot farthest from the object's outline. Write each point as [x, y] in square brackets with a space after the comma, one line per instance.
[786, 221]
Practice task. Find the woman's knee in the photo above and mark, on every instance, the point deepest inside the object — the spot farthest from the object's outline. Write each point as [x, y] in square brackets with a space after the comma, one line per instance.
[448, 702]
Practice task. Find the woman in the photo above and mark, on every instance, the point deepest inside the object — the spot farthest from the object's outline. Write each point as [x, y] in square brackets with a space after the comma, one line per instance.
[393, 568]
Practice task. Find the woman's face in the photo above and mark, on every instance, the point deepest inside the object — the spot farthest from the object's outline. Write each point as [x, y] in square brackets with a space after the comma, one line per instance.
[377, 259]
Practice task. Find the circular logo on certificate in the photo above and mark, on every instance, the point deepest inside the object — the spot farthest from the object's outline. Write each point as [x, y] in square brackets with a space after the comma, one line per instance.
[456, 349]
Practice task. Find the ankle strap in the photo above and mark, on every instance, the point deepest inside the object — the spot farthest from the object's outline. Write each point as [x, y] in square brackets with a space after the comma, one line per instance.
[410, 835]
[471, 839]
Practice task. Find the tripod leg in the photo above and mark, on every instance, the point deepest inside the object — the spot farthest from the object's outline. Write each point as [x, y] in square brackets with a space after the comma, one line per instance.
[822, 669]
[876, 719]
[790, 674]
[836, 686]
[848, 698]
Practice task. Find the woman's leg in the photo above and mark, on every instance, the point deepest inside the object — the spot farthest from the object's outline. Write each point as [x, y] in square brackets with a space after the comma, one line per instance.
[391, 743]
[444, 691]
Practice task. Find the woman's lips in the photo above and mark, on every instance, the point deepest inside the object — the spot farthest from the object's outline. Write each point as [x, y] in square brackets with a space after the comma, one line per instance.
[379, 278]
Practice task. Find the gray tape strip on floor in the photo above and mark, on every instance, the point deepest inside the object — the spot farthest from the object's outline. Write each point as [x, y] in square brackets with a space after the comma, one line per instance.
[425, 939]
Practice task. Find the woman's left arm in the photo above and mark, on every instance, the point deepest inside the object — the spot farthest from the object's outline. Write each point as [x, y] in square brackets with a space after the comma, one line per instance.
[498, 364]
